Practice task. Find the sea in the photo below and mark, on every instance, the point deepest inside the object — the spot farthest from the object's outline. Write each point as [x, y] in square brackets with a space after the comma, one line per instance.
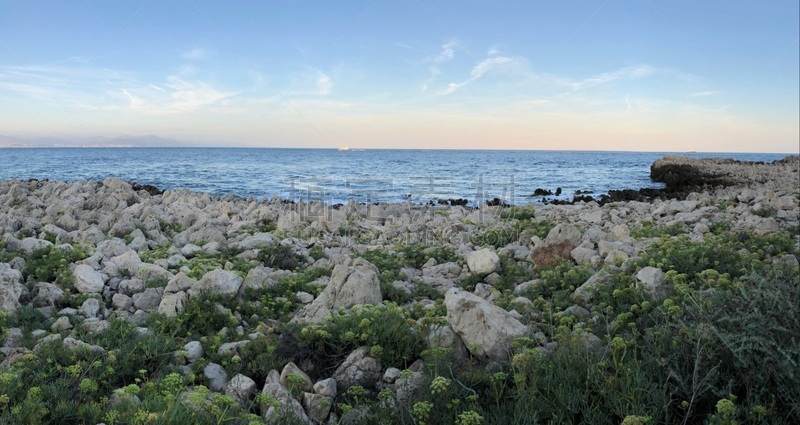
[366, 176]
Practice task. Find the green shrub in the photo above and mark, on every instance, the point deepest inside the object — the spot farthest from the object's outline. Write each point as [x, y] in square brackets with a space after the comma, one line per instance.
[394, 294]
[51, 264]
[279, 301]
[280, 256]
[134, 352]
[388, 264]
[62, 386]
[387, 328]
[512, 273]
[649, 229]
[317, 252]
[201, 316]
[469, 282]
[424, 290]
[255, 361]
[26, 318]
[416, 255]
[556, 284]
[749, 347]
[518, 213]
[204, 262]
[734, 254]
[764, 211]
[514, 230]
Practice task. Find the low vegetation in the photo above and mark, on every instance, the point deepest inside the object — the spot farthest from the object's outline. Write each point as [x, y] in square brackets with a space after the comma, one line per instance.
[720, 345]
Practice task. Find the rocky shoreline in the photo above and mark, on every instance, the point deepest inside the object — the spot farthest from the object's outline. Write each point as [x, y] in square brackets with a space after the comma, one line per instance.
[464, 276]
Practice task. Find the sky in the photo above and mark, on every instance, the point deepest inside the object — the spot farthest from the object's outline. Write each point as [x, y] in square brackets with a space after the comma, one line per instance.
[633, 75]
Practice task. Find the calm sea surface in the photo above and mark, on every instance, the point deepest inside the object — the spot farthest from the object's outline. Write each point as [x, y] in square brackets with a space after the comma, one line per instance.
[335, 177]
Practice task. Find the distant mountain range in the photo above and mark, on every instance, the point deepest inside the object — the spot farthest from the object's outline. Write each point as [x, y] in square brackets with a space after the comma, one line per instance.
[149, 141]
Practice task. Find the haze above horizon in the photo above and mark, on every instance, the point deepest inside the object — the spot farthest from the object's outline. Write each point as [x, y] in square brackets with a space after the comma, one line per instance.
[614, 75]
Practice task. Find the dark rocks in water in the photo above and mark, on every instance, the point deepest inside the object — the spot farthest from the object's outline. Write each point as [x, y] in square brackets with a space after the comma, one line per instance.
[544, 192]
[496, 202]
[152, 190]
[582, 198]
[583, 192]
[625, 195]
[641, 195]
[454, 202]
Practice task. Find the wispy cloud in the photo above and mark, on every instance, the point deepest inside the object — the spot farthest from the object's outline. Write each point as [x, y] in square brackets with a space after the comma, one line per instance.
[195, 54]
[135, 101]
[626, 73]
[447, 53]
[324, 84]
[187, 96]
[703, 94]
[486, 66]
[435, 72]
[175, 96]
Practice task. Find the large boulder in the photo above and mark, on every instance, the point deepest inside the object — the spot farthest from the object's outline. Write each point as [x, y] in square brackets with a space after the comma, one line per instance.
[559, 243]
[11, 288]
[47, 295]
[172, 304]
[241, 388]
[446, 337]
[301, 377]
[486, 329]
[359, 368]
[483, 262]
[287, 407]
[587, 290]
[220, 281]
[133, 265]
[88, 280]
[216, 376]
[651, 280]
[349, 285]
[31, 244]
[149, 299]
[317, 406]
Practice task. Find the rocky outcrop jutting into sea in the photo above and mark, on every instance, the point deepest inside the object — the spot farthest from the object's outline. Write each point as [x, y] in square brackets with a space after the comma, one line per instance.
[682, 173]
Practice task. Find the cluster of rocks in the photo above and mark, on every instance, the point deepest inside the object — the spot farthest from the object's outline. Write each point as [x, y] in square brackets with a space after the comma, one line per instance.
[120, 223]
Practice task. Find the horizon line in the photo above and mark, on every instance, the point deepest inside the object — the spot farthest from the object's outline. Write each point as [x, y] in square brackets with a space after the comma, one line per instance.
[359, 149]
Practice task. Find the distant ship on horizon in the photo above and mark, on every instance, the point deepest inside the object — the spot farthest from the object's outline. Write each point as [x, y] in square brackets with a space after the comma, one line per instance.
[344, 149]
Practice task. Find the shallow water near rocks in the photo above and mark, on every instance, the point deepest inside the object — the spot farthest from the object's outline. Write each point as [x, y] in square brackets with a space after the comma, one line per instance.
[364, 175]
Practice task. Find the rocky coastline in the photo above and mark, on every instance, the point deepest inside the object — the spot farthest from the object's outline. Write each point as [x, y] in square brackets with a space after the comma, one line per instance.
[281, 283]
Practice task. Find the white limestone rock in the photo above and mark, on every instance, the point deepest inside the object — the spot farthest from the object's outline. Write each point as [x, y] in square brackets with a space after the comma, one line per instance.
[483, 261]
[88, 280]
[486, 329]
[11, 288]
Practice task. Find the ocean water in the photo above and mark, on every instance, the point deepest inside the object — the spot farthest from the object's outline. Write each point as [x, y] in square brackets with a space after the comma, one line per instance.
[363, 175]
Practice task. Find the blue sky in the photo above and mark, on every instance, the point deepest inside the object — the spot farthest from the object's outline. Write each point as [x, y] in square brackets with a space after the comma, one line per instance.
[609, 75]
